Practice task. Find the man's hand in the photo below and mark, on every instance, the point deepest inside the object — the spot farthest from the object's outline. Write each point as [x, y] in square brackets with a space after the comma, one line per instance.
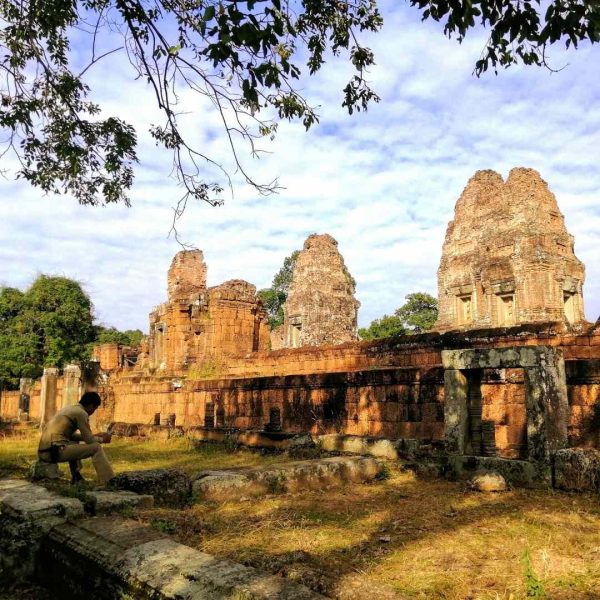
[104, 437]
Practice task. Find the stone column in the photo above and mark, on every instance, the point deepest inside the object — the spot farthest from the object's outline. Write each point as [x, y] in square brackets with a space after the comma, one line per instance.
[48, 400]
[456, 413]
[547, 405]
[25, 385]
[71, 385]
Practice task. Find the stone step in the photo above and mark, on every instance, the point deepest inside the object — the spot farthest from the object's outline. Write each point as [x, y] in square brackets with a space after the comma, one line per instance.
[288, 477]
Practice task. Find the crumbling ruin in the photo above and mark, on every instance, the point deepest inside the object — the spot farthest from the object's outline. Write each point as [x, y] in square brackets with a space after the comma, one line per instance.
[201, 326]
[509, 399]
[320, 308]
[508, 258]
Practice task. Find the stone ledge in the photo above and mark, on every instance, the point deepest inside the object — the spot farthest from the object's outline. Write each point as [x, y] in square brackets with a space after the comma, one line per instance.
[110, 558]
[378, 447]
[103, 502]
[289, 477]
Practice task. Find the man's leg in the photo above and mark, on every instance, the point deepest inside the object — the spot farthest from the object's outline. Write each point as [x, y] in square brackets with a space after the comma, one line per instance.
[76, 452]
[104, 469]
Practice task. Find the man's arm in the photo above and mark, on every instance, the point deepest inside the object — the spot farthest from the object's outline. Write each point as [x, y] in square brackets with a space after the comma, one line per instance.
[85, 433]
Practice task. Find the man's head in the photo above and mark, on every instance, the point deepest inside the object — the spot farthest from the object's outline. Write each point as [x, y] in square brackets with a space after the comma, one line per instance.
[90, 402]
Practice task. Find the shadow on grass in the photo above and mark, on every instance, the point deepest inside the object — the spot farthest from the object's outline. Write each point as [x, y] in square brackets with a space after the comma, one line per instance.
[408, 539]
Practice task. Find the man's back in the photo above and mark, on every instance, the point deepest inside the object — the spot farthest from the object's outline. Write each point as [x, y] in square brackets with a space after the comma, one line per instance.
[60, 429]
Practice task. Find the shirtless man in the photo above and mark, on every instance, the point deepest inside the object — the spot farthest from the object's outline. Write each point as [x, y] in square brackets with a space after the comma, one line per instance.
[61, 437]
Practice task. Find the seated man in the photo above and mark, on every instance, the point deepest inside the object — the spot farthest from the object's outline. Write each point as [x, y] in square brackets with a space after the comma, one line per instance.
[60, 442]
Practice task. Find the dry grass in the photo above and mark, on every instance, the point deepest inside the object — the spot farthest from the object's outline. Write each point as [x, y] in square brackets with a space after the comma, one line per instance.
[398, 538]
[408, 538]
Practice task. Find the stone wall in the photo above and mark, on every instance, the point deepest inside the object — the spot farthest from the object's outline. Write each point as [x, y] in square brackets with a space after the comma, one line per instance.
[320, 307]
[507, 257]
[391, 388]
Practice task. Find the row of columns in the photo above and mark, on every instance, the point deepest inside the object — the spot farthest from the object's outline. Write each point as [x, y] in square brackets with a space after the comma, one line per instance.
[73, 387]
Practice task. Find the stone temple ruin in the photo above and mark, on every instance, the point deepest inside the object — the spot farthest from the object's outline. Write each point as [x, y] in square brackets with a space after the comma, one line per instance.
[509, 382]
[320, 308]
[508, 258]
[200, 325]
[509, 379]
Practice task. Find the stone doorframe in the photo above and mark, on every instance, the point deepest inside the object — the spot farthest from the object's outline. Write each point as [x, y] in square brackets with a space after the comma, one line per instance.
[546, 399]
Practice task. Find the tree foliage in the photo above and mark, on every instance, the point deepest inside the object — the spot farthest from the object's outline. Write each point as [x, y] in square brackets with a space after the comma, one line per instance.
[416, 315]
[386, 326]
[48, 325]
[244, 56]
[519, 31]
[111, 335]
[274, 297]
[419, 312]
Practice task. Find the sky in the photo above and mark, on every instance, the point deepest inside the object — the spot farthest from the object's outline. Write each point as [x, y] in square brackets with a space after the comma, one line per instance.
[383, 183]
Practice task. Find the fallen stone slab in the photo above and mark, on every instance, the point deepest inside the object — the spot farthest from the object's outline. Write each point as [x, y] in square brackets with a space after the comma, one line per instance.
[27, 513]
[107, 558]
[169, 487]
[577, 469]
[289, 477]
[104, 502]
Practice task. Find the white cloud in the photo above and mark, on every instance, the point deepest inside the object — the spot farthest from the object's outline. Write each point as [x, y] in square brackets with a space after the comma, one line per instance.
[382, 183]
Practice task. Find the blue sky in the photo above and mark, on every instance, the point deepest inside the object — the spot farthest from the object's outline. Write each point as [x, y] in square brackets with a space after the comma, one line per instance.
[384, 183]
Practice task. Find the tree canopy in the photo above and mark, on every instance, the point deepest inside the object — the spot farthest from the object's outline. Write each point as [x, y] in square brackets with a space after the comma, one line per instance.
[274, 297]
[48, 325]
[244, 56]
[519, 31]
[416, 315]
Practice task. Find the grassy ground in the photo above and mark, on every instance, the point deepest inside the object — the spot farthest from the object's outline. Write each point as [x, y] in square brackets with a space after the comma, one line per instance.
[408, 538]
[18, 452]
[398, 538]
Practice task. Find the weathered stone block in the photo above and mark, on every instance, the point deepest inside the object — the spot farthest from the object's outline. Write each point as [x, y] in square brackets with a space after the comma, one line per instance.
[118, 558]
[169, 487]
[577, 469]
[43, 470]
[488, 482]
[27, 513]
[103, 502]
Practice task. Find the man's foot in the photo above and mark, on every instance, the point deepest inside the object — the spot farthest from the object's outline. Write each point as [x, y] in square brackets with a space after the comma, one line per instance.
[77, 478]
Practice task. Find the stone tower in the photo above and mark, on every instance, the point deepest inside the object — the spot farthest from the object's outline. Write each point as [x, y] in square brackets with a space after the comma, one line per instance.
[507, 257]
[187, 274]
[320, 307]
[201, 326]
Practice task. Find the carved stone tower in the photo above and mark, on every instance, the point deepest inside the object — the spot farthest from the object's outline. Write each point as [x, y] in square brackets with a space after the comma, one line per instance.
[508, 258]
[320, 307]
